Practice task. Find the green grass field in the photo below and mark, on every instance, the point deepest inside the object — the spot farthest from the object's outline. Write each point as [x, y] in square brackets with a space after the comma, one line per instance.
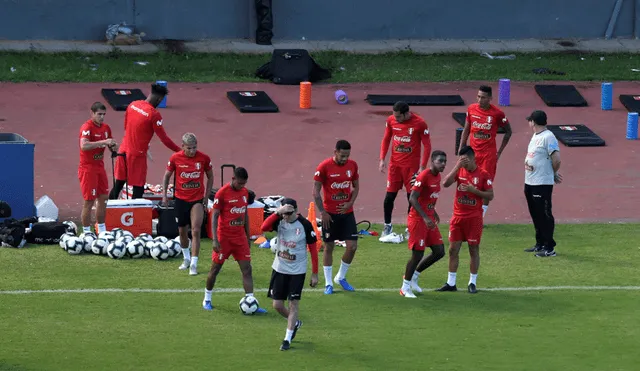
[346, 67]
[525, 321]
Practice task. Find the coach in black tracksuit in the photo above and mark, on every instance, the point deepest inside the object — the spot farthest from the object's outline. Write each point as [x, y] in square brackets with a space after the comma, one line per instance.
[541, 173]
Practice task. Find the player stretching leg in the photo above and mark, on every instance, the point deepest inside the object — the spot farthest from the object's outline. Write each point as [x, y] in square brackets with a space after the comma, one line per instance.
[231, 234]
[141, 121]
[473, 186]
[483, 121]
[95, 136]
[404, 131]
[423, 223]
[295, 236]
[337, 177]
[189, 167]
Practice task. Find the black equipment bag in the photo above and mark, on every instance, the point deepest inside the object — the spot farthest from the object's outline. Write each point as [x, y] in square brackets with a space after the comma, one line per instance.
[46, 233]
[291, 67]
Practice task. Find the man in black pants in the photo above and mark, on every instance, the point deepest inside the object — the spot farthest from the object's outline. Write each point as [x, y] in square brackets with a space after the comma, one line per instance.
[541, 173]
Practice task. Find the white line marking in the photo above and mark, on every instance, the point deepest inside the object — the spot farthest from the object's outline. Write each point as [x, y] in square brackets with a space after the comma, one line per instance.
[239, 290]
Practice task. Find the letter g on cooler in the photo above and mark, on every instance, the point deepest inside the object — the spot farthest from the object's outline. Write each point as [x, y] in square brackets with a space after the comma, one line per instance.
[127, 219]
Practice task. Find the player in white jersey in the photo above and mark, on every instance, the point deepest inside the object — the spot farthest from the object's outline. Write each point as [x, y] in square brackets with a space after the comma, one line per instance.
[295, 236]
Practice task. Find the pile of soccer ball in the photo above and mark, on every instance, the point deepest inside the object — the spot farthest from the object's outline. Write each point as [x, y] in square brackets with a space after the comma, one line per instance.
[119, 243]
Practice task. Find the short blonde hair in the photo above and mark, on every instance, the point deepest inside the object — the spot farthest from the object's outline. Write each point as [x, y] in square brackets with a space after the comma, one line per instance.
[189, 139]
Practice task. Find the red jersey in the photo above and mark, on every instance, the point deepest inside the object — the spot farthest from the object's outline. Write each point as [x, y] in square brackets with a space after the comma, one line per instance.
[466, 204]
[189, 175]
[405, 139]
[483, 128]
[429, 187]
[336, 183]
[141, 121]
[93, 158]
[233, 208]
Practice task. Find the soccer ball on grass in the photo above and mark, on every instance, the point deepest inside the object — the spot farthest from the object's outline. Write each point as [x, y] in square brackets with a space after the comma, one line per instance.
[74, 245]
[249, 305]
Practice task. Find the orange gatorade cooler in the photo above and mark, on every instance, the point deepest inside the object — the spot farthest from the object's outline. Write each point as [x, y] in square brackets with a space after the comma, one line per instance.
[134, 215]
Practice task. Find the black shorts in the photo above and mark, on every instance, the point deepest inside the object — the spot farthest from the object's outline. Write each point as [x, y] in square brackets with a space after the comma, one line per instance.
[286, 286]
[343, 228]
[183, 211]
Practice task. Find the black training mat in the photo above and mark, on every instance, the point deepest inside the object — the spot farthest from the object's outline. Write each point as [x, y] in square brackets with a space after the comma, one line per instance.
[630, 102]
[561, 96]
[576, 136]
[252, 101]
[461, 118]
[119, 99]
[415, 100]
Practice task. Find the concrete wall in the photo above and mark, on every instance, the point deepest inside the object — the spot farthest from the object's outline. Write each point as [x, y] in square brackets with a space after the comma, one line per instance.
[320, 20]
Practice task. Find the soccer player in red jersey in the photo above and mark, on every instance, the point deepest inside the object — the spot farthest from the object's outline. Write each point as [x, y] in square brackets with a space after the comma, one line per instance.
[481, 128]
[422, 224]
[338, 179]
[95, 136]
[474, 185]
[191, 195]
[405, 132]
[231, 234]
[141, 121]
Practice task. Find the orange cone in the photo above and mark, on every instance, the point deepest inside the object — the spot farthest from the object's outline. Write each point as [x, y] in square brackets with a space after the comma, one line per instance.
[311, 216]
[305, 95]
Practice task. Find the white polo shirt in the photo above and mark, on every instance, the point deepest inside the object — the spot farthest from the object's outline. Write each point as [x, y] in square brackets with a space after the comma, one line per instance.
[537, 164]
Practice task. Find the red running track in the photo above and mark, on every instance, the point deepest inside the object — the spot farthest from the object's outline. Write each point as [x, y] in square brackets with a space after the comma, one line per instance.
[281, 150]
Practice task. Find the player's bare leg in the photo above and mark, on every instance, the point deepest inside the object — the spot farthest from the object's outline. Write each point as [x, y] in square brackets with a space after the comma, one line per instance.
[101, 212]
[454, 260]
[405, 290]
[183, 232]
[85, 216]
[327, 262]
[247, 280]
[388, 205]
[293, 324]
[474, 265]
[211, 281]
[197, 214]
[437, 253]
[347, 258]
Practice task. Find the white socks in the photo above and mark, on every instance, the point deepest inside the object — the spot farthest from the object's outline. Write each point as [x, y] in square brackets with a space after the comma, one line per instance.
[451, 280]
[406, 285]
[194, 261]
[289, 335]
[327, 276]
[86, 229]
[102, 228]
[473, 278]
[484, 209]
[207, 294]
[416, 275]
[342, 273]
[186, 253]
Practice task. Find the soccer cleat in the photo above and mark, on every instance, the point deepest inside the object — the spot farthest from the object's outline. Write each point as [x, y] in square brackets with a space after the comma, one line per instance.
[407, 293]
[206, 305]
[285, 345]
[472, 289]
[343, 282]
[446, 287]
[415, 287]
[546, 253]
[260, 311]
[535, 248]
[328, 290]
[388, 229]
[193, 270]
[185, 265]
[295, 329]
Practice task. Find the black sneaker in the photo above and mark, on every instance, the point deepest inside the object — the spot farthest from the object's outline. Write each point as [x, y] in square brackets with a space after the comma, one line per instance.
[295, 329]
[546, 253]
[535, 248]
[285, 345]
[472, 289]
[446, 287]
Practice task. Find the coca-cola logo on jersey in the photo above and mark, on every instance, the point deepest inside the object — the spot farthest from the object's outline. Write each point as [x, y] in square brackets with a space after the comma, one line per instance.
[483, 126]
[404, 139]
[238, 210]
[193, 175]
[344, 185]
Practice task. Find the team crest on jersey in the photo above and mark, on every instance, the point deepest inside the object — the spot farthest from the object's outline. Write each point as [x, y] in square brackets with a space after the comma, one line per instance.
[489, 119]
[474, 180]
[410, 131]
[297, 231]
[197, 166]
[349, 173]
[244, 198]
